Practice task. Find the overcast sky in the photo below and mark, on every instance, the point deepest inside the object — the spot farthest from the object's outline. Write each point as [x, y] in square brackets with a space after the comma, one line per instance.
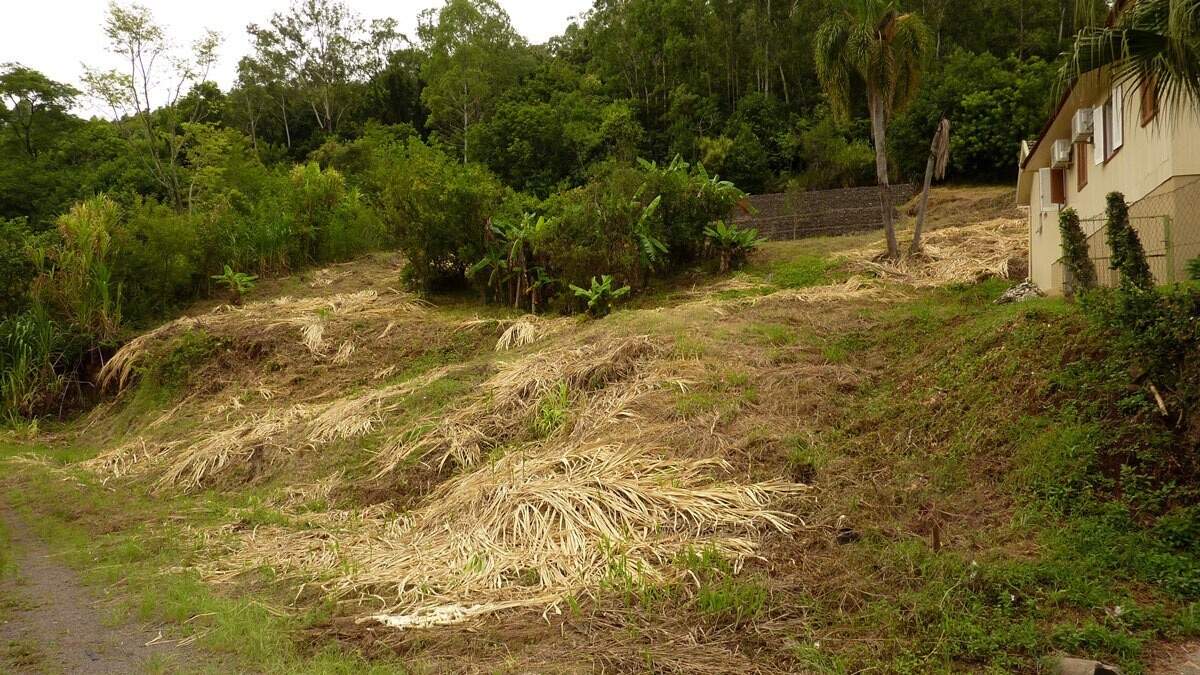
[56, 36]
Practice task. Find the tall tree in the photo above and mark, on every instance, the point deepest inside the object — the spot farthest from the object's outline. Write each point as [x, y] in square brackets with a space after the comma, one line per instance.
[475, 54]
[326, 51]
[870, 43]
[149, 91]
[33, 102]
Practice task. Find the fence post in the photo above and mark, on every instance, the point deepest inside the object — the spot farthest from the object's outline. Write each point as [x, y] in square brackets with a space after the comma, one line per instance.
[1170, 249]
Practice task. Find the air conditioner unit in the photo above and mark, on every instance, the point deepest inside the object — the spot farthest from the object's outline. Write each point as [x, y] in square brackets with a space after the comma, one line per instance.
[1082, 125]
[1060, 154]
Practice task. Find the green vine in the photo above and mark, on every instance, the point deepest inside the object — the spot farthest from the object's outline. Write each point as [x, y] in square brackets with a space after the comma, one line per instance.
[1128, 255]
[1081, 271]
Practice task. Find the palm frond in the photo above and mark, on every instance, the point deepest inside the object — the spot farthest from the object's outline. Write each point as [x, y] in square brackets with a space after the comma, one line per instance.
[1153, 43]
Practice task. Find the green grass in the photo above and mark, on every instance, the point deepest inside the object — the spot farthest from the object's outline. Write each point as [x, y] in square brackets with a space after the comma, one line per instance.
[553, 411]
[134, 560]
[1095, 576]
[773, 334]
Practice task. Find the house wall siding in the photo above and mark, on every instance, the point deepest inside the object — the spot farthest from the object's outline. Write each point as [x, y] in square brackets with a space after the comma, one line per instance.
[1150, 157]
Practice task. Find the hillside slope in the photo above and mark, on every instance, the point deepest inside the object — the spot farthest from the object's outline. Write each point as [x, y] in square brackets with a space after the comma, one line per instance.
[820, 464]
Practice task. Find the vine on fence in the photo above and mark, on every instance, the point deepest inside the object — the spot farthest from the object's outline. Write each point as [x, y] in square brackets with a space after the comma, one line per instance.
[1081, 272]
[1128, 255]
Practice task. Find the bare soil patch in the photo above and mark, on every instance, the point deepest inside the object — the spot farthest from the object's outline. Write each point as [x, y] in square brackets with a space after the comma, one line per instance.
[49, 622]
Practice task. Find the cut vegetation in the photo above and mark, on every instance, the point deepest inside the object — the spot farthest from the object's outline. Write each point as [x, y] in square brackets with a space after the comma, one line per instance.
[877, 468]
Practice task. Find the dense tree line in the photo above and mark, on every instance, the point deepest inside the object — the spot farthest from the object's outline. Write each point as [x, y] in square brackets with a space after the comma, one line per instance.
[729, 83]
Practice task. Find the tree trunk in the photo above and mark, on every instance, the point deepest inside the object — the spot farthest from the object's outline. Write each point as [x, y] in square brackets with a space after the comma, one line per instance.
[915, 247]
[936, 156]
[881, 173]
[287, 130]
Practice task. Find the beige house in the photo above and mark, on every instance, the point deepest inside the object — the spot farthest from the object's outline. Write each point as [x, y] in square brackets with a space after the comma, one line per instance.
[1107, 137]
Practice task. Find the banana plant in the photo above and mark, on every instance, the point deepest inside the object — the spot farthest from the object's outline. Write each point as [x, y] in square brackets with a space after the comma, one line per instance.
[601, 296]
[237, 283]
[732, 243]
[651, 250]
[495, 264]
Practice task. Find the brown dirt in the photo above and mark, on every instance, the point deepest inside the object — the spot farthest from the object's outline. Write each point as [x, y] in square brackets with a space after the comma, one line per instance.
[1178, 660]
[50, 623]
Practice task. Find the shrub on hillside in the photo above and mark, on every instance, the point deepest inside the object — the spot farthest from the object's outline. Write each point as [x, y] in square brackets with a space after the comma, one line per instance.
[157, 259]
[33, 350]
[16, 265]
[75, 276]
[437, 210]
[590, 229]
[1150, 380]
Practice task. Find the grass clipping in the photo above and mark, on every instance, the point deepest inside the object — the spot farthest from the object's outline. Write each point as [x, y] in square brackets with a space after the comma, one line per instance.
[950, 255]
[527, 530]
[313, 320]
[508, 401]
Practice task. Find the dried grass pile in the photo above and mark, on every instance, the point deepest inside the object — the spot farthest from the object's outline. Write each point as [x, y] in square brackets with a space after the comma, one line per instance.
[520, 332]
[951, 255]
[257, 439]
[313, 320]
[525, 531]
[507, 401]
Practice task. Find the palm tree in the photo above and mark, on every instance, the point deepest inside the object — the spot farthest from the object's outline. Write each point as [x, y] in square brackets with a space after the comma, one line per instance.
[871, 43]
[1153, 43]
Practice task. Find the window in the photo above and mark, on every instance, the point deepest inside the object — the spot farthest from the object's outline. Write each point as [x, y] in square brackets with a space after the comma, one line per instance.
[1081, 166]
[1053, 183]
[1109, 133]
[1149, 93]
[1058, 186]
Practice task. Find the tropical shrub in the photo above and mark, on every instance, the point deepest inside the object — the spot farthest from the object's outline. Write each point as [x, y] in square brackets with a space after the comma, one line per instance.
[75, 276]
[237, 283]
[590, 229]
[437, 210]
[600, 296]
[732, 244]
[158, 259]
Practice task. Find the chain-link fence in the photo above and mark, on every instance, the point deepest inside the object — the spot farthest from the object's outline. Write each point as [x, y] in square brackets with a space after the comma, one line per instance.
[1168, 224]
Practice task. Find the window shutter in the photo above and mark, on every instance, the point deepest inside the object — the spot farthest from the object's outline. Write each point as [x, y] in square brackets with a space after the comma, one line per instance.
[1058, 186]
[1118, 120]
[1098, 134]
[1044, 182]
[1081, 167]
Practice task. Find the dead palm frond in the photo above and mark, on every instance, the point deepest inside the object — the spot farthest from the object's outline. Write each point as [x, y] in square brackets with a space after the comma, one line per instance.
[506, 401]
[312, 318]
[527, 530]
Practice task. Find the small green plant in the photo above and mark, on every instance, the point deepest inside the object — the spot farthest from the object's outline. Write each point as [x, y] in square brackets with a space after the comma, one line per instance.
[553, 411]
[732, 243]
[1193, 269]
[601, 296]
[238, 283]
[651, 249]
[1082, 273]
[774, 334]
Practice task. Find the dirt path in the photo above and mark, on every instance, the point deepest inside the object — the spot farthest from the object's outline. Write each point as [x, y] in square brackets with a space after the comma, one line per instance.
[50, 623]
